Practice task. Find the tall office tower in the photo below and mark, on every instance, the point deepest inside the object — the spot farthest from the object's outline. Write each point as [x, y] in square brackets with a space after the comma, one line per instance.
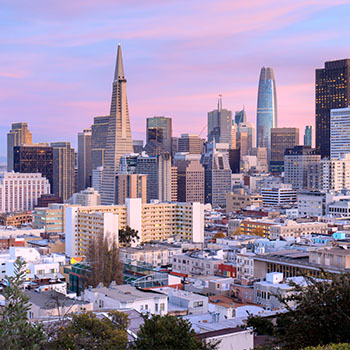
[308, 136]
[281, 139]
[158, 171]
[159, 129]
[119, 139]
[63, 169]
[220, 125]
[174, 184]
[84, 159]
[340, 133]
[17, 136]
[234, 158]
[174, 146]
[97, 178]
[240, 117]
[190, 178]
[266, 117]
[99, 130]
[332, 91]
[234, 135]
[34, 158]
[137, 146]
[297, 161]
[131, 186]
[217, 177]
[20, 192]
[249, 130]
[190, 143]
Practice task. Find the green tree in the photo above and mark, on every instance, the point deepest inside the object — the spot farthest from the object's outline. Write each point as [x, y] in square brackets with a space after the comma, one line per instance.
[169, 333]
[330, 347]
[86, 331]
[16, 332]
[318, 313]
[106, 266]
[128, 236]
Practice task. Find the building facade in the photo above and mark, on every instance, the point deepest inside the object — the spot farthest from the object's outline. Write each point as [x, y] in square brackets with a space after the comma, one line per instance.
[159, 129]
[332, 91]
[190, 143]
[84, 159]
[20, 192]
[99, 130]
[340, 133]
[131, 186]
[119, 140]
[308, 135]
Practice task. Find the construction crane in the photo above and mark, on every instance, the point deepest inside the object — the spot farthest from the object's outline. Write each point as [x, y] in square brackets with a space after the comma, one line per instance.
[202, 130]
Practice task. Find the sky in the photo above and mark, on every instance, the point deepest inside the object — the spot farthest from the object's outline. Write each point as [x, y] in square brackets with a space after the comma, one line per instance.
[57, 60]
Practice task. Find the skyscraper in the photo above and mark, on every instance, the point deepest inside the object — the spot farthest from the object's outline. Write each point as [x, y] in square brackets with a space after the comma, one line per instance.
[332, 91]
[17, 136]
[266, 117]
[308, 135]
[63, 169]
[159, 129]
[99, 130]
[34, 158]
[340, 133]
[119, 140]
[190, 143]
[220, 125]
[281, 139]
[84, 159]
[240, 116]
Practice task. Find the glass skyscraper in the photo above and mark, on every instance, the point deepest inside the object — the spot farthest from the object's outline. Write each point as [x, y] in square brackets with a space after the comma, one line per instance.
[308, 136]
[267, 108]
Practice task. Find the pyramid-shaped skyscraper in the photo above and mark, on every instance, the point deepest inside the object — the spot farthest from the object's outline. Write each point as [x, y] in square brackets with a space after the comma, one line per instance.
[119, 140]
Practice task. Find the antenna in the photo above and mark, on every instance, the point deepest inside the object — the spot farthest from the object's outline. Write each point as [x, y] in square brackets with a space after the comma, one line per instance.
[220, 103]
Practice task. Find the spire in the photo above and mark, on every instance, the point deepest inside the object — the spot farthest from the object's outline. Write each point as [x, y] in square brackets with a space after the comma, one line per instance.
[220, 103]
[119, 67]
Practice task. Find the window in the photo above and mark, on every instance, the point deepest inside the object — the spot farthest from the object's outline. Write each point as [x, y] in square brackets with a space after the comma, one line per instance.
[156, 307]
[162, 307]
[198, 304]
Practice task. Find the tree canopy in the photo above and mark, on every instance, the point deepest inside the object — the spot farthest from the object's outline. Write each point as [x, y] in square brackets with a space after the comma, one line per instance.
[320, 315]
[169, 333]
[128, 235]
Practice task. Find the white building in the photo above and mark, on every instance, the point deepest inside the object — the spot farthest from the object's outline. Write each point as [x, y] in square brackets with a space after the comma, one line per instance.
[340, 132]
[312, 203]
[87, 197]
[293, 229]
[20, 191]
[283, 194]
[245, 263]
[339, 209]
[126, 296]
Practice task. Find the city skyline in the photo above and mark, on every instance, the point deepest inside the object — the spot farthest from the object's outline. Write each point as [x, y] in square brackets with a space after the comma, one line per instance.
[64, 75]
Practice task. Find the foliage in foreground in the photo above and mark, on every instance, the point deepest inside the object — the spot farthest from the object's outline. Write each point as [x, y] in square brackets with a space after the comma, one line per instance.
[330, 347]
[321, 315]
[15, 331]
[169, 333]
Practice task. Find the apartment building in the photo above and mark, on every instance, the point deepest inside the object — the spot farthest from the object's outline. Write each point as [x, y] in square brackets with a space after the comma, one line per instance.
[293, 229]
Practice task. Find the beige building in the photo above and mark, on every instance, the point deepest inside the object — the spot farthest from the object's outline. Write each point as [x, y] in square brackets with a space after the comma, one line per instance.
[86, 197]
[293, 229]
[17, 136]
[153, 221]
[50, 218]
[331, 257]
[240, 200]
[173, 184]
[190, 143]
[131, 186]
[190, 178]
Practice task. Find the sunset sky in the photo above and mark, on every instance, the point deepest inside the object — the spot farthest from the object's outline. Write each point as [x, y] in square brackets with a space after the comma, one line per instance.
[57, 59]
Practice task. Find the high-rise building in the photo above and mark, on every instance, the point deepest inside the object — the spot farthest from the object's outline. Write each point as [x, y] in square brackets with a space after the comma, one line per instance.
[84, 159]
[220, 125]
[332, 91]
[20, 192]
[240, 117]
[99, 130]
[63, 169]
[234, 158]
[131, 186]
[190, 178]
[174, 146]
[97, 178]
[340, 133]
[308, 136]
[297, 161]
[245, 138]
[159, 129]
[174, 184]
[137, 146]
[17, 136]
[217, 177]
[266, 117]
[34, 158]
[86, 197]
[119, 140]
[281, 139]
[190, 143]
[158, 171]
